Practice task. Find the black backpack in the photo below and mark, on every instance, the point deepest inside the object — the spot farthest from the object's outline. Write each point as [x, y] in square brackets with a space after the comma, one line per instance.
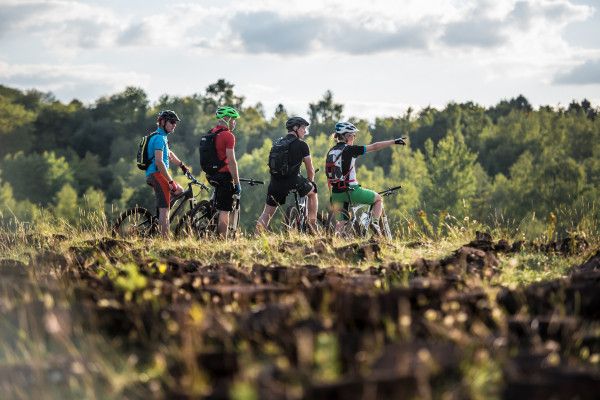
[142, 160]
[209, 160]
[279, 158]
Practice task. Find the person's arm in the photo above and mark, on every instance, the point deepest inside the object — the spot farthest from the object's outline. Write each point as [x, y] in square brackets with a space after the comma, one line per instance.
[175, 160]
[232, 165]
[379, 145]
[160, 165]
[310, 170]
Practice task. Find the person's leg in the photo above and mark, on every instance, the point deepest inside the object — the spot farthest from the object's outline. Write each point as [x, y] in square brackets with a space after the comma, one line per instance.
[265, 218]
[224, 204]
[223, 224]
[276, 194]
[163, 198]
[163, 222]
[313, 206]
[377, 207]
[340, 206]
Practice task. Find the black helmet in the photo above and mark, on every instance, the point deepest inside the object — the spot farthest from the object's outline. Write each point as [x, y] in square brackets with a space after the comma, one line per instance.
[169, 115]
[295, 121]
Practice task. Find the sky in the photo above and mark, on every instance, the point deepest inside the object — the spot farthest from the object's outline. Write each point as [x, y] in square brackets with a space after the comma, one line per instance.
[377, 57]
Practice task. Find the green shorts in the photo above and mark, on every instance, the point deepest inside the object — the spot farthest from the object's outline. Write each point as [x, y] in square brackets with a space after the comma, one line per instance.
[357, 196]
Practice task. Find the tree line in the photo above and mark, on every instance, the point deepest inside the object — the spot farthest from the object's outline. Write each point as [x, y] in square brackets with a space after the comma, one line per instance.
[506, 165]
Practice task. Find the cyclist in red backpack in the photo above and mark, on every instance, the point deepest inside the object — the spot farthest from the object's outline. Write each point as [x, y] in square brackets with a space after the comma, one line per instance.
[217, 159]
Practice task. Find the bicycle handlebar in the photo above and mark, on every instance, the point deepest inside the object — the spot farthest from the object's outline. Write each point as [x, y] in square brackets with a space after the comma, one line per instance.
[252, 182]
[390, 191]
[195, 181]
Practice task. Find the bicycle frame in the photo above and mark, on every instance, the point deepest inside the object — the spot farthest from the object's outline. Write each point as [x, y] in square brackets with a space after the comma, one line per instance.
[235, 213]
[186, 195]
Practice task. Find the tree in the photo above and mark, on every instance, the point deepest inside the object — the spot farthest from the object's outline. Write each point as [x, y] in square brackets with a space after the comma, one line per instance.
[324, 114]
[220, 94]
[66, 204]
[451, 167]
[36, 177]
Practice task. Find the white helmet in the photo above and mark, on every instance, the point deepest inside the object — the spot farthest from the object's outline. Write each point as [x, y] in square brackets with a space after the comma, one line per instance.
[345, 127]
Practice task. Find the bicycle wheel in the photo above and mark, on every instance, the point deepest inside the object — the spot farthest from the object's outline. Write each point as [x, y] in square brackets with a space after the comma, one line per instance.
[293, 219]
[199, 221]
[384, 225]
[326, 221]
[135, 222]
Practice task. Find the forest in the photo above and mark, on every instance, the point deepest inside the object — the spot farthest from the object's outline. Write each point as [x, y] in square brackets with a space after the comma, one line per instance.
[532, 171]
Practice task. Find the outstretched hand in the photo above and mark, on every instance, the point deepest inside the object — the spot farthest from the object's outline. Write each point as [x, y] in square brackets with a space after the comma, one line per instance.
[400, 140]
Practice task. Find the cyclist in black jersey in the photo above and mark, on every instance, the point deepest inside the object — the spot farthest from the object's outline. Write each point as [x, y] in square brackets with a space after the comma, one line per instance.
[298, 152]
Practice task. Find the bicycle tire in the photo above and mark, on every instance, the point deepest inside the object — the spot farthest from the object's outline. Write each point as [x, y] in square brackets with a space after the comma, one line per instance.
[199, 221]
[293, 220]
[326, 221]
[135, 222]
[384, 225]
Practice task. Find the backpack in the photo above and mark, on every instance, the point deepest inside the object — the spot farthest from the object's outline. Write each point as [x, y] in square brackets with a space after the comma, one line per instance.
[333, 168]
[142, 159]
[209, 160]
[279, 157]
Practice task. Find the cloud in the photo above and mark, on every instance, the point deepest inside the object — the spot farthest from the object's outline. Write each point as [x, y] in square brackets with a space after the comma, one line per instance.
[587, 73]
[483, 33]
[269, 32]
[262, 27]
[68, 81]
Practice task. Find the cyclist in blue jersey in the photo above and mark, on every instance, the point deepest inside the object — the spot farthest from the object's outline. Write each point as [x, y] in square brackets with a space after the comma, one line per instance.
[157, 174]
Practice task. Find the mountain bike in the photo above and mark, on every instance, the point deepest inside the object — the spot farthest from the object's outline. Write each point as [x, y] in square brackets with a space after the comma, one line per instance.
[203, 218]
[296, 215]
[359, 223]
[140, 222]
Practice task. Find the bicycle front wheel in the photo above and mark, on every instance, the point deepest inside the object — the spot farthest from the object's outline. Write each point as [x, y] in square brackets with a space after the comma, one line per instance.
[135, 222]
[384, 225]
[200, 221]
[294, 220]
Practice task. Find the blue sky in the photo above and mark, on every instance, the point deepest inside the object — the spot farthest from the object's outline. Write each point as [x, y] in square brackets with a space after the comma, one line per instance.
[378, 57]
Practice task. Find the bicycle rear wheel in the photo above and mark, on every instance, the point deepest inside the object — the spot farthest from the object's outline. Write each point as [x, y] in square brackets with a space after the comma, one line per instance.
[135, 222]
[200, 221]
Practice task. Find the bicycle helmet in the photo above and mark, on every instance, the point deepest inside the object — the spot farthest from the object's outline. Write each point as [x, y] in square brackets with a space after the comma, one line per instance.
[295, 121]
[169, 115]
[227, 111]
[342, 128]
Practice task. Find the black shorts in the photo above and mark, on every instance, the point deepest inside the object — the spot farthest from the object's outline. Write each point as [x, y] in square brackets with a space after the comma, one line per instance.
[224, 190]
[280, 188]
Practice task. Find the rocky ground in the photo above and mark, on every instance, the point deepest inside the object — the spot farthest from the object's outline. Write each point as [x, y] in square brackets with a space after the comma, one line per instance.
[177, 327]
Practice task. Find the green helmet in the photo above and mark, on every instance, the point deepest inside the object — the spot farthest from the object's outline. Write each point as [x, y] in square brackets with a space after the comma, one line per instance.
[227, 111]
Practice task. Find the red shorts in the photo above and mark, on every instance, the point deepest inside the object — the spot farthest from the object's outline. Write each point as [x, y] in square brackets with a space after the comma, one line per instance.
[161, 189]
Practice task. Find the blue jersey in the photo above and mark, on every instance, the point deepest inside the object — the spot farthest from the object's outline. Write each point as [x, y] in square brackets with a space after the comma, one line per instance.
[158, 142]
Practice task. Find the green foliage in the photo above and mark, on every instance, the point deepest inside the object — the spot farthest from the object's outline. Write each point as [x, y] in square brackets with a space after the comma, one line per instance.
[66, 206]
[451, 169]
[36, 177]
